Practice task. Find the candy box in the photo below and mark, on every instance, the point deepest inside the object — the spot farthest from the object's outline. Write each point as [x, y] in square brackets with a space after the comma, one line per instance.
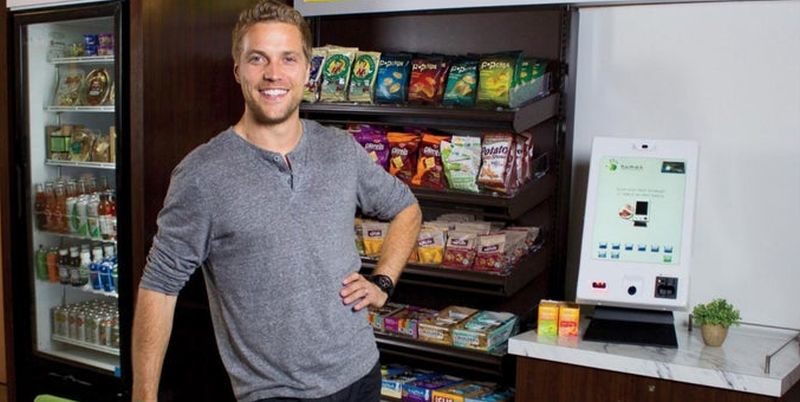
[506, 395]
[392, 383]
[377, 315]
[485, 331]
[406, 321]
[438, 329]
[569, 316]
[422, 390]
[547, 322]
[459, 392]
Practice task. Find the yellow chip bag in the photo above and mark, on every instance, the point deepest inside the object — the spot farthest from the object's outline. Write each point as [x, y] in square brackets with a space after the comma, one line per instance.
[496, 75]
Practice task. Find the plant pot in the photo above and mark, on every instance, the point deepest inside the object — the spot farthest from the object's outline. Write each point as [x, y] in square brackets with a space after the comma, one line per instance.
[714, 335]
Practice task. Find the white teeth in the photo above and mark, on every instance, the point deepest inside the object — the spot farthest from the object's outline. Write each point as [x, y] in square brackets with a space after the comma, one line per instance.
[274, 92]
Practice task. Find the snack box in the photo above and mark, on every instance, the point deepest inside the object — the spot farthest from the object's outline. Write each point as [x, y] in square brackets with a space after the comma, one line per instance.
[547, 321]
[569, 318]
[406, 321]
[422, 390]
[485, 331]
[438, 329]
[459, 392]
[377, 315]
[506, 395]
[392, 383]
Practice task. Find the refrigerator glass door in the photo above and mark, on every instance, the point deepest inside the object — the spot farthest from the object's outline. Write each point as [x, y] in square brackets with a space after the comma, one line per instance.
[69, 93]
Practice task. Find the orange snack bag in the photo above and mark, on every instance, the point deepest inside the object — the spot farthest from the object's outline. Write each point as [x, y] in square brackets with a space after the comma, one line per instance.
[402, 155]
[430, 172]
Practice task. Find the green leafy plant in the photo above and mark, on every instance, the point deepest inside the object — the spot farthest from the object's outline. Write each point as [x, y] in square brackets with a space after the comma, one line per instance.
[716, 312]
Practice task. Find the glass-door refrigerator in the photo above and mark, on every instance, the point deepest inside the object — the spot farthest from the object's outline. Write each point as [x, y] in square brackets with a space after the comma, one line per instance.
[72, 303]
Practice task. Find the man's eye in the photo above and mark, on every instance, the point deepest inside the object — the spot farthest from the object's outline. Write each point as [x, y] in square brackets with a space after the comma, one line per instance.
[255, 59]
[291, 59]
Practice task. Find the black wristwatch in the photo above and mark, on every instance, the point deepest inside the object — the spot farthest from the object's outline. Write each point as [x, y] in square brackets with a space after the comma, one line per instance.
[384, 282]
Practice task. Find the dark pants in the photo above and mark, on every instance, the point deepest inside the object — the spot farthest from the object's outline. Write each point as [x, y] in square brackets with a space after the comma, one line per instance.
[366, 389]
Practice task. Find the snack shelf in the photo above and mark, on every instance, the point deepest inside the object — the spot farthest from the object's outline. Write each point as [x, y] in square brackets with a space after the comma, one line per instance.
[518, 119]
[83, 60]
[496, 205]
[86, 345]
[488, 283]
[85, 109]
[463, 359]
[75, 236]
[93, 165]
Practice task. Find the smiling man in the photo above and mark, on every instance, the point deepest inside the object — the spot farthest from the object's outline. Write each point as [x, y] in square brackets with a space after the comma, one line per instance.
[266, 209]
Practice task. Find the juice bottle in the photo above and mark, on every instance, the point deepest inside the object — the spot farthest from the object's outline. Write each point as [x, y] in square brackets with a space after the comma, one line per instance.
[52, 265]
[112, 200]
[63, 266]
[39, 207]
[104, 216]
[49, 207]
[92, 216]
[41, 263]
[60, 210]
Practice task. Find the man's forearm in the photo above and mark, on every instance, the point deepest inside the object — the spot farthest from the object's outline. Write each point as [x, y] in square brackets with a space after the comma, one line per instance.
[152, 326]
[399, 242]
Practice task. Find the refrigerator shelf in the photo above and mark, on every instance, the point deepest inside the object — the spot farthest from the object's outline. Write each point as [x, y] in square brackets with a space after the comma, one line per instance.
[83, 60]
[75, 236]
[86, 345]
[94, 165]
[85, 109]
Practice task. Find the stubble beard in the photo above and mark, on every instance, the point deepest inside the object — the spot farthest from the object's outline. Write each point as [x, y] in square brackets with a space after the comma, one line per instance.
[262, 118]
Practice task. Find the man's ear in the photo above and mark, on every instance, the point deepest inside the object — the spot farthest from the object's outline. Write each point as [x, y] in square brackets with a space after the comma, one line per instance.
[236, 73]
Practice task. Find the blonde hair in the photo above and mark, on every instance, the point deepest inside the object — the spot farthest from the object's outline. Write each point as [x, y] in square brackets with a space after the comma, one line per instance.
[270, 11]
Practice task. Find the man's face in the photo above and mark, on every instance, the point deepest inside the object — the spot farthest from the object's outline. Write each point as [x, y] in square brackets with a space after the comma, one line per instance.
[272, 71]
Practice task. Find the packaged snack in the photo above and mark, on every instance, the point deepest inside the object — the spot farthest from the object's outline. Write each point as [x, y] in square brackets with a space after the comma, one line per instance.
[97, 87]
[547, 321]
[429, 162]
[438, 329]
[477, 227]
[505, 395]
[496, 76]
[105, 44]
[68, 92]
[498, 162]
[460, 250]
[456, 217]
[403, 155]
[362, 81]
[490, 255]
[430, 245]
[311, 89]
[377, 315]
[461, 160]
[359, 236]
[374, 233]
[485, 331]
[462, 83]
[336, 74]
[80, 145]
[100, 149]
[569, 318]
[422, 390]
[392, 383]
[531, 80]
[522, 159]
[58, 138]
[427, 80]
[391, 85]
[406, 321]
[374, 141]
[461, 391]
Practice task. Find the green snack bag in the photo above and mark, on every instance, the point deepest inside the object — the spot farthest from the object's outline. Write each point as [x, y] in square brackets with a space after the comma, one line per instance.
[336, 74]
[462, 83]
[362, 81]
[530, 81]
[461, 157]
[495, 78]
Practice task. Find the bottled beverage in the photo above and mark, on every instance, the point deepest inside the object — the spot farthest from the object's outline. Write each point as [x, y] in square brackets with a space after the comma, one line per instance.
[73, 222]
[39, 205]
[81, 209]
[114, 277]
[41, 263]
[112, 200]
[93, 222]
[83, 270]
[52, 265]
[112, 142]
[94, 276]
[109, 251]
[60, 224]
[74, 266]
[63, 266]
[104, 216]
[49, 207]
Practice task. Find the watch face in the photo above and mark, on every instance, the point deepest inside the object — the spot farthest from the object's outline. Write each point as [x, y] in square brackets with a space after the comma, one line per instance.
[383, 282]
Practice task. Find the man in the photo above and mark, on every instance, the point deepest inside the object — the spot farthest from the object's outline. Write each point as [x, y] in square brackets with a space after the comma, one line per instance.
[266, 208]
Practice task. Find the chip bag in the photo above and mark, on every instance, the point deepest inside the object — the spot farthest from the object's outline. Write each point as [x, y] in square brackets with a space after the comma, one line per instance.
[462, 83]
[311, 89]
[429, 162]
[362, 80]
[461, 158]
[496, 78]
[403, 155]
[391, 85]
[336, 74]
[427, 80]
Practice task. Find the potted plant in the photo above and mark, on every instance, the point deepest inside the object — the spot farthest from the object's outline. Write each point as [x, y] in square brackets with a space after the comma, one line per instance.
[714, 319]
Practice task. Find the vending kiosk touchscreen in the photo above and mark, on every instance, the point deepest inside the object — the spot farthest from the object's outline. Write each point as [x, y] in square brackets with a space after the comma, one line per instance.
[637, 238]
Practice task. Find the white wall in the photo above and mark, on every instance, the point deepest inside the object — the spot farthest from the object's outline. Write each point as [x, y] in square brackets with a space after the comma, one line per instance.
[727, 75]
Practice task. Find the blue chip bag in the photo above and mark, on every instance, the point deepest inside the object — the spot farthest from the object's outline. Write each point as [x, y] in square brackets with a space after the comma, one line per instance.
[391, 85]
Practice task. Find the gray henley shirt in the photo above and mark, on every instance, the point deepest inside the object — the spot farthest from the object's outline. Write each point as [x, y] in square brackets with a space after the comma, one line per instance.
[275, 241]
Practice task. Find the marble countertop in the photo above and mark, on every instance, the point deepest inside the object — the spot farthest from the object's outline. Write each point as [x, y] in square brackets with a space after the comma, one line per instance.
[737, 365]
